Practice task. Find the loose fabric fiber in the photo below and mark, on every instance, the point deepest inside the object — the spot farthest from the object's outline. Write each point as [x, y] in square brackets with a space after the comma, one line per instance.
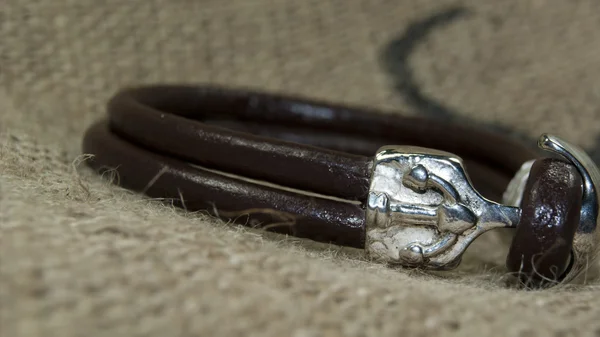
[81, 257]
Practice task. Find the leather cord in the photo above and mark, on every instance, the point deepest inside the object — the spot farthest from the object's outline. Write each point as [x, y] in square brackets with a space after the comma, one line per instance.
[540, 251]
[154, 135]
[174, 180]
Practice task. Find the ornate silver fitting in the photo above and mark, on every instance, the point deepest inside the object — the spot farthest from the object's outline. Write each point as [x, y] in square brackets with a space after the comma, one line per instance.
[422, 209]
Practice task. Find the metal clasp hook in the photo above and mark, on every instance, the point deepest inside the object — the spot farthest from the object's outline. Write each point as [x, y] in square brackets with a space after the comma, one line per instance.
[586, 239]
[585, 242]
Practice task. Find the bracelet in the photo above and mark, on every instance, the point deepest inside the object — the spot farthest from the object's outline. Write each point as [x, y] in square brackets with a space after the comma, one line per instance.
[329, 173]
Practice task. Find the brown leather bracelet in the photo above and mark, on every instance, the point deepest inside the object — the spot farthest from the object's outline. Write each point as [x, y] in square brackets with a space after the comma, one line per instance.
[307, 168]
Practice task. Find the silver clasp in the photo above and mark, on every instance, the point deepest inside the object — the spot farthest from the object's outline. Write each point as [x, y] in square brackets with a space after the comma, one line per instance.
[423, 211]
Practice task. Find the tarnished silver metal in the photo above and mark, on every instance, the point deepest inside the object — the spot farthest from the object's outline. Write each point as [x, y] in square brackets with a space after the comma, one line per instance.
[514, 191]
[422, 209]
[587, 237]
[513, 195]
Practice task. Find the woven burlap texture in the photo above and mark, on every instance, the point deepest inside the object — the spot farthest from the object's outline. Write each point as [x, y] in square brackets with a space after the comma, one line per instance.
[80, 257]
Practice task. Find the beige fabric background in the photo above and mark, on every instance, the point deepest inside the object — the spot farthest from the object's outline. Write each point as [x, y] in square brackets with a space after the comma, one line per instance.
[81, 258]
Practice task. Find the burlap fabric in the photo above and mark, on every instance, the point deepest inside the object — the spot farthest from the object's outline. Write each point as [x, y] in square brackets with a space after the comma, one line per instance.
[79, 257]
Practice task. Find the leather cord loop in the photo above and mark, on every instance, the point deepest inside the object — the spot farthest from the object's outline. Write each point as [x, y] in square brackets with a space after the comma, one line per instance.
[155, 134]
[243, 202]
[541, 247]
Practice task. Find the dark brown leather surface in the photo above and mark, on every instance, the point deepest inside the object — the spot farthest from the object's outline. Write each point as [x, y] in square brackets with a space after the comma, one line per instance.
[541, 247]
[250, 204]
[160, 117]
[298, 143]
